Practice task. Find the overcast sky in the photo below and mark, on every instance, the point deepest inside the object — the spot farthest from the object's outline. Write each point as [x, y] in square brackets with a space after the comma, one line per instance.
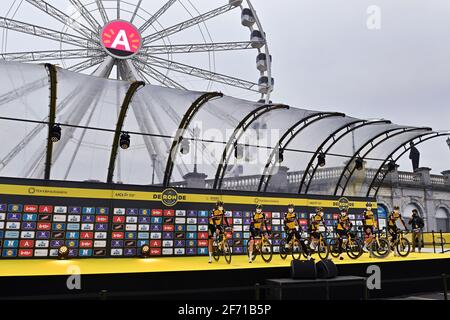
[326, 58]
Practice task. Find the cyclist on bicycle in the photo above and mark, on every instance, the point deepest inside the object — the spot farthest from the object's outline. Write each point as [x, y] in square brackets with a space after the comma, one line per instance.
[343, 228]
[369, 227]
[292, 229]
[258, 220]
[216, 219]
[393, 230]
[314, 228]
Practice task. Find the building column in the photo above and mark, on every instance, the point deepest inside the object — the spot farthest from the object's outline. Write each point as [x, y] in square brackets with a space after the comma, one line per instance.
[195, 180]
[279, 181]
[447, 175]
[425, 176]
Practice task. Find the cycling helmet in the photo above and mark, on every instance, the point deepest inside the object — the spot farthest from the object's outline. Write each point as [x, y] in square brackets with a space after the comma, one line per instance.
[219, 204]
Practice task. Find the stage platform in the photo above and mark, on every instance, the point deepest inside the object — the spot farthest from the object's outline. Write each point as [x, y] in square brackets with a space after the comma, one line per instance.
[46, 267]
[132, 277]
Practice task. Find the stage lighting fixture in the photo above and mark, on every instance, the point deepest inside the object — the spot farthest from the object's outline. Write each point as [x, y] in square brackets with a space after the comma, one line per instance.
[125, 141]
[359, 163]
[185, 146]
[238, 151]
[145, 251]
[391, 166]
[63, 252]
[321, 160]
[55, 134]
[280, 155]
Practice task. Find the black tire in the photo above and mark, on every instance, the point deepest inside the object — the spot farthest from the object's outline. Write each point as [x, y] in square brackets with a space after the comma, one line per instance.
[308, 246]
[296, 251]
[323, 249]
[255, 251]
[305, 254]
[227, 252]
[382, 249]
[334, 247]
[266, 251]
[354, 249]
[403, 247]
[216, 251]
[283, 252]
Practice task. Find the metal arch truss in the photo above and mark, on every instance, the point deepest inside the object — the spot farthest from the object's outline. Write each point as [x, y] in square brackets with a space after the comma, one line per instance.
[82, 32]
[120, 121]
[197, 47]
[51, 34]
[383, 171]
[286, 139]
[86, 14]
[84, 65]
[184, 124]
[103, 13]
[156, 16]
[365, 150]
[189, 23]
[61, 17]
[196, 72]
[237, 134]
[326, 146]
[52, 72]
[52, 55]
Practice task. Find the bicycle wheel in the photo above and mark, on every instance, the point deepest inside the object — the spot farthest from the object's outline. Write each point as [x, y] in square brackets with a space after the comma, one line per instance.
[266, 250]
[334, 247]
[308, 246]
[227, 252]
[283, 251]
[216, 251]
[403, 247]
[255, 250]
[381, 248]
[323, 249]
[354, 249]
[296, 251]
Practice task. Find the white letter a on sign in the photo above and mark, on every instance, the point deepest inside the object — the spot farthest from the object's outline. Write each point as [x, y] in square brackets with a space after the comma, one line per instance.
[121, 39]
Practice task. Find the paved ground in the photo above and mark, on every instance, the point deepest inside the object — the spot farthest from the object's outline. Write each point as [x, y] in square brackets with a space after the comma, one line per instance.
[422, 296]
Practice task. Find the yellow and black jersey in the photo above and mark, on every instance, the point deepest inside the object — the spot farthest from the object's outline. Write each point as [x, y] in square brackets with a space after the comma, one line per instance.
[290, 220]
[344, 223]
[369, 218]
[258, 219]
[216, 217]
[316, 222]
[393, 218]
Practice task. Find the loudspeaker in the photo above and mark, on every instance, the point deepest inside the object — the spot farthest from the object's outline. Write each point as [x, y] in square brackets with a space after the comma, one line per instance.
[326, 269]
[303, 269]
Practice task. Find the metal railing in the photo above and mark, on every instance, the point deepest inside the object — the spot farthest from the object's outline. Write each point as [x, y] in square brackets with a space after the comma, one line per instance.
[438, 180]
[326, 175]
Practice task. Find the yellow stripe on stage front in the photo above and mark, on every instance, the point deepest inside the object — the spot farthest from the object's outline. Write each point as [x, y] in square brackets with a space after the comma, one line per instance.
[62, 192]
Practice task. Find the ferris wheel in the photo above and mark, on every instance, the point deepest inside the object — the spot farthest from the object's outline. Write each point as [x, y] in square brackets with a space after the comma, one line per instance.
[173, 43]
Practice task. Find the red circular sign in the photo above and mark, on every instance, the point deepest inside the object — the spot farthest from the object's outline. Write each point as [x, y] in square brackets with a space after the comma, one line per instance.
[121, 39]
